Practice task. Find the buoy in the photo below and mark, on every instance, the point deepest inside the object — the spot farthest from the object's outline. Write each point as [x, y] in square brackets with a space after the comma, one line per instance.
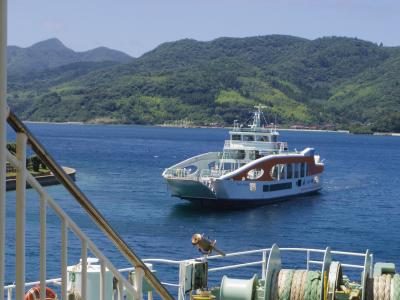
[34, 294]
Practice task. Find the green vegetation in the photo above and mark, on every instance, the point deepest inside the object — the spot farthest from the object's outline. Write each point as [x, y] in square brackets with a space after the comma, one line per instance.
[33, 163]
[328, 82]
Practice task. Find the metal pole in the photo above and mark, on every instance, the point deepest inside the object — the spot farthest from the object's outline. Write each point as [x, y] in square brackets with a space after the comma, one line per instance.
[43, 217]
[20, 217]
[64, 259]
[3, 137]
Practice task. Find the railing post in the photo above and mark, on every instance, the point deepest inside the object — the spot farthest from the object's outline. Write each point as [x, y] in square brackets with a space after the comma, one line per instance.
[182, 275]
[120, 290]
[43, 204]
[84, 266]
[20, 216]
[264, 264]
[102, 280]
[308, 260]
[3, 137]
[64, 259]
[138, 283]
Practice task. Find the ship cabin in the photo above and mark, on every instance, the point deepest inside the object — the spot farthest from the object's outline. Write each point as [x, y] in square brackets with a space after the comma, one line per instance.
[248, 144]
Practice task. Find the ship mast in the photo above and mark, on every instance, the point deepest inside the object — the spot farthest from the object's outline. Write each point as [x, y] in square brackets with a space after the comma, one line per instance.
[257, 116]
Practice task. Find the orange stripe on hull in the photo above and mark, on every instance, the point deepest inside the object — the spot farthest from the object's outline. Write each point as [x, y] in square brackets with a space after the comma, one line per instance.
[267, 165]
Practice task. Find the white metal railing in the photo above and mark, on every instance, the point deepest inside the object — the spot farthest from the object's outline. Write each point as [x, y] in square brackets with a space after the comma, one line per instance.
[67, 225]
[256, 145]
[181, 264]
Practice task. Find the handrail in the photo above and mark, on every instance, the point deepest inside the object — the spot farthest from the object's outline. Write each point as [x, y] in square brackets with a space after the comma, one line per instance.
[86, 204]
[231, 266]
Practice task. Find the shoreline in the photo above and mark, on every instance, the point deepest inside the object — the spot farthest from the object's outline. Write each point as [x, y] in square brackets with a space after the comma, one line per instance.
[395, 134]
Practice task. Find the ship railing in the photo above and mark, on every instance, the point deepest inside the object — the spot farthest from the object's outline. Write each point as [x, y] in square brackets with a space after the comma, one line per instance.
[271, 146]
[309, 261]
[312, 259]
[181, 174]
[209, 157]
[57, 282]
[25, 138]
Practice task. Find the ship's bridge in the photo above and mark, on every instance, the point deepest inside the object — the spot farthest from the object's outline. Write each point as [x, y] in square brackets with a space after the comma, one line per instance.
[264, 139]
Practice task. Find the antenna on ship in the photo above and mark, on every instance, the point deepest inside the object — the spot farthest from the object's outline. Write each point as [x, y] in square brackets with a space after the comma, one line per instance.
[257, 116]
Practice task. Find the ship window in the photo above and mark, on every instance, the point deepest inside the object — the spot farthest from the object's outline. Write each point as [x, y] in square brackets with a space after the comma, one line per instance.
[227, 166]
[281, 169]
[262, 138]
[236, 137]
[278, 187]
[255, 174]
[296, 170]
[248, 138]
[302, 169]
[274, 138]
[308, 170]
[274, 172]
[235, 154]
[289, 171]
[265, 138]
[278, 172]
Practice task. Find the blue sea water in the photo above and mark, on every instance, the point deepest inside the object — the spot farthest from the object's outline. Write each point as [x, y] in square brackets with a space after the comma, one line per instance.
[119, 168]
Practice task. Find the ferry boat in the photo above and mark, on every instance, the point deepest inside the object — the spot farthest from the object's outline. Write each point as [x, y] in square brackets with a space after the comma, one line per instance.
[253, 168]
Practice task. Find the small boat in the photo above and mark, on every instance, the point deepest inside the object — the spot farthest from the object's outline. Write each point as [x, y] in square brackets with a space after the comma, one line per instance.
[253, 168]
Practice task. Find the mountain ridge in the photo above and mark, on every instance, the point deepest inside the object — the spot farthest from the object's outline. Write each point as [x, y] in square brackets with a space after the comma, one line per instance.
[53, 53]
[337, 82]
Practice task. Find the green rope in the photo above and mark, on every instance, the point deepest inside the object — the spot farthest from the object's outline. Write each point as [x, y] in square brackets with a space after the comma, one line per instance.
[312, 290]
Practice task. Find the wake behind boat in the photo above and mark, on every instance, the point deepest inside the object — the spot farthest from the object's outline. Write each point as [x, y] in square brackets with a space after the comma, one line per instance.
[253, 168]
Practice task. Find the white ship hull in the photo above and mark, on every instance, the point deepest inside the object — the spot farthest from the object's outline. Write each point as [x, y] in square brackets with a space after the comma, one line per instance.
[227, 192]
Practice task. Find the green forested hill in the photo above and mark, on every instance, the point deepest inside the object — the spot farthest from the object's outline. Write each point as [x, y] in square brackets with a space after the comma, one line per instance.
[338, 81]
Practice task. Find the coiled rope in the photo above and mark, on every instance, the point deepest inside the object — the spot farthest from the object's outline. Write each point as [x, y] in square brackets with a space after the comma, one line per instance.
[297, 285]
[382, 287]
[395, 287]
[307, 285]
[284, 284]
[313, 286]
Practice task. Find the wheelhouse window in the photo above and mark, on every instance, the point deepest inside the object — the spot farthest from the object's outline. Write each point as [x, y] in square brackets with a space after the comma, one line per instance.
[262, 138]
[248, 138]
[236, 137]
[235, 154]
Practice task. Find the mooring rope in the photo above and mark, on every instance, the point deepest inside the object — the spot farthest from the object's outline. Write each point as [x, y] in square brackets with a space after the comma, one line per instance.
[297, 285]
[382, 287]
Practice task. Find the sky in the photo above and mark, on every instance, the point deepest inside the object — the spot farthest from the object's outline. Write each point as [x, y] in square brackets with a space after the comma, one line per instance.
[136, 27]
